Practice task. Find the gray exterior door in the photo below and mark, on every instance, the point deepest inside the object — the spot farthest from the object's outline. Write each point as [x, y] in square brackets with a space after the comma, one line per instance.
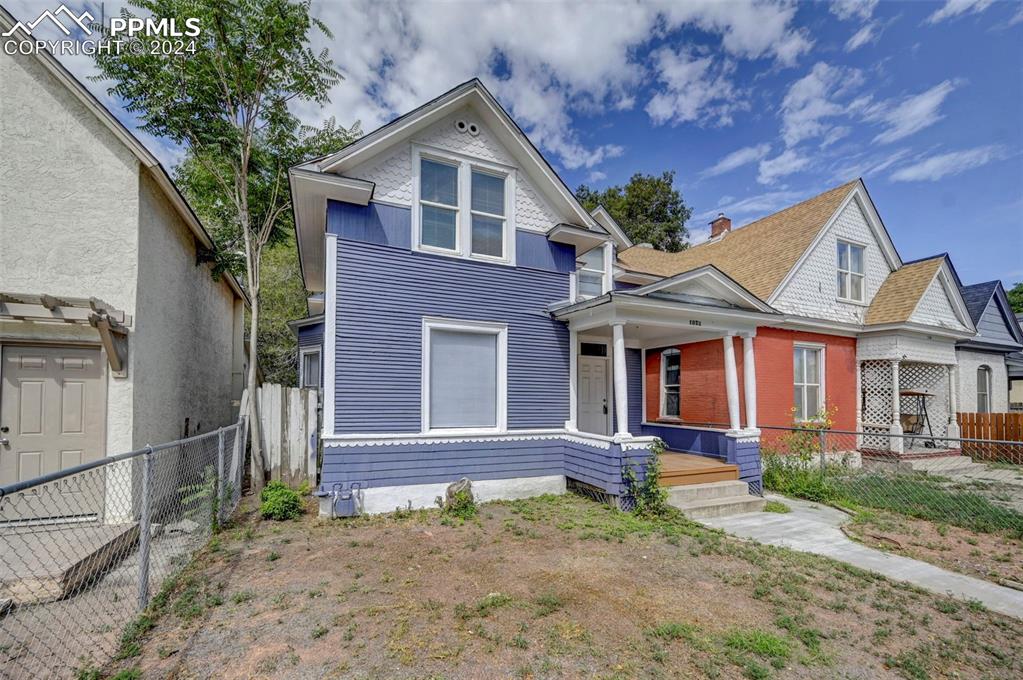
[52, 414]
[593, 395]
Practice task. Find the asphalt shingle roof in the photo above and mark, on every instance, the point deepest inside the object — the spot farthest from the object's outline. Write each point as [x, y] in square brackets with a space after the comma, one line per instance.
[977, 297]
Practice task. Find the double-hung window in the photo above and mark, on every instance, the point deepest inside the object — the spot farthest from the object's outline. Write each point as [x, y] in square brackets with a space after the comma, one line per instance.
[487, 215]
[671, 372]
[808, 381]
[464, 375]
[463, 207]
[983, 389]
[590, 275]
[851, 272]
[438, 205]
[310, 369]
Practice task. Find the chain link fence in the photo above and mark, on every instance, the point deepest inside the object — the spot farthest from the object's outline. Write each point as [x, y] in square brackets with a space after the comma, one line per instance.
[83, 550]
[975, 484]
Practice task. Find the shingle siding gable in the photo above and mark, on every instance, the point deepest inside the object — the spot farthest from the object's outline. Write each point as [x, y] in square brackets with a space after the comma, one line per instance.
[934, 308]
[812, 289]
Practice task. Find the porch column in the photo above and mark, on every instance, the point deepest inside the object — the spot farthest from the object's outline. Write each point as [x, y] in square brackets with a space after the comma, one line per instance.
[731, 384]
[621, 381]
[896, 442]
[749, 381]
[953, 430]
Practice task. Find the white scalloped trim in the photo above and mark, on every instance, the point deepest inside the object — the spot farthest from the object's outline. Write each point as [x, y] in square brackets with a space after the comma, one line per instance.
[399, 440]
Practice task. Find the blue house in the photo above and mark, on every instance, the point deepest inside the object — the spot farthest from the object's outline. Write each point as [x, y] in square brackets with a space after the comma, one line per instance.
[470, 319]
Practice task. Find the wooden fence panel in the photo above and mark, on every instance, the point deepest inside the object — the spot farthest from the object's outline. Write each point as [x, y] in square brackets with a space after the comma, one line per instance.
[289, 425]
[1003, 427]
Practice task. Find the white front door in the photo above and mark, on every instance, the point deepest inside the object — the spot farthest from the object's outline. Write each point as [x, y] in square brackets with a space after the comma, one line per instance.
[593, 395]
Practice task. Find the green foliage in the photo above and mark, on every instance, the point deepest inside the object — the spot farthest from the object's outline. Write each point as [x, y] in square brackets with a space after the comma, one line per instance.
[674, 631]
[648, 496]
[130, 644]
[279, 502]
[776, 506]
[1015, 295]
[794, 477]
[128, 674]
[649, 208]
[200, 499]
[758, 642]
[461, 505]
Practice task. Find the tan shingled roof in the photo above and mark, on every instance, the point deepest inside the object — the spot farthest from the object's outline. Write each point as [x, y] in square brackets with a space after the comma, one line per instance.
[758, 255]
[899, 294]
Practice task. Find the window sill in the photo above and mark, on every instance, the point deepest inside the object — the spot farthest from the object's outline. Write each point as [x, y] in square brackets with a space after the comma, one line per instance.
[454, 254]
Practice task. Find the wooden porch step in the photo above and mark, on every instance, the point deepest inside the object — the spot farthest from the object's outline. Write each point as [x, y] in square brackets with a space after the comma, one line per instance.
[678, 469]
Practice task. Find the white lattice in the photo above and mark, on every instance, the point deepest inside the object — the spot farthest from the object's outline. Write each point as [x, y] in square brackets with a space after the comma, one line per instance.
[876, 399]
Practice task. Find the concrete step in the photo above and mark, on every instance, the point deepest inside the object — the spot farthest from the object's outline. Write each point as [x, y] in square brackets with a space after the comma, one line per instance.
[689, 493]
[720, 507]
[943, 465]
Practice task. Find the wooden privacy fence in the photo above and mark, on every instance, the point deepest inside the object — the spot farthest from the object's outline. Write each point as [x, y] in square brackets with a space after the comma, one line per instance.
[288, 421]
[999, 427]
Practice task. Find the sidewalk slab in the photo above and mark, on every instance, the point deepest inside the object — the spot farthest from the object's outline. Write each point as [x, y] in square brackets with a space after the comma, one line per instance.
[815, 528]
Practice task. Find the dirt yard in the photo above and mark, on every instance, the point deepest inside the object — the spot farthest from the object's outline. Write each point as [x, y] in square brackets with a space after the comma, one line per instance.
[997, 557]
[556, 587]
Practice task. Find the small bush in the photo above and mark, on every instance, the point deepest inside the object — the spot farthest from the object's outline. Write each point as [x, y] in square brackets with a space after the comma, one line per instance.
[776, 506]
[649, 497]
[461, 505]
[793, 477]
[278, 502]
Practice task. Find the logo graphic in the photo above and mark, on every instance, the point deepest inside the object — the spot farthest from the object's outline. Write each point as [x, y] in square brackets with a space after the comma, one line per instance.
[80, 21]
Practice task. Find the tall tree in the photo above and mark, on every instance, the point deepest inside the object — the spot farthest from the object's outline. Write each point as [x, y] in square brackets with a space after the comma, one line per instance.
[1015, 295]
[282, 296]
[227, 103]
[649, 208]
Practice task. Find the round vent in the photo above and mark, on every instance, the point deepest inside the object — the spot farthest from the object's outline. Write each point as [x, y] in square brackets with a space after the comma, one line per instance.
[461, 125]
[474, 129]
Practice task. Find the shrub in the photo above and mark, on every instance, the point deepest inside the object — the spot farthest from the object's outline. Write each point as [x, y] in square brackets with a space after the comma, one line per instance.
[278, 502]
[461, 505]
[648, 496]
[796, 478]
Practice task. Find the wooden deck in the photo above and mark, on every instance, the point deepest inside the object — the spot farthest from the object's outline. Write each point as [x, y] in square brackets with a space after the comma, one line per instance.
[678, 469]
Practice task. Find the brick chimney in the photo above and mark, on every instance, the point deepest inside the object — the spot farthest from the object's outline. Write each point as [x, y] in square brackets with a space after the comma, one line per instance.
[720, 226]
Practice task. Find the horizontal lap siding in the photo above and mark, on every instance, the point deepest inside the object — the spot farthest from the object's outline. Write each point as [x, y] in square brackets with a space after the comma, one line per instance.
[409, 464]
[747, 456]
[689, 440]
[310, 336]
[383, 293]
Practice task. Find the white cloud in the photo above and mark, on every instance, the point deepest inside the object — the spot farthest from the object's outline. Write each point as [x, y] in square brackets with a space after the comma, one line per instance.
[737, 159]
[697, 89]
[867, 166]
[545, 64]
[912, 114]
[848, 9]
[754, 206]
[596, 176]
[954, 8]
[867, 34]
[947, 164]
[786, 163]
[813, 99]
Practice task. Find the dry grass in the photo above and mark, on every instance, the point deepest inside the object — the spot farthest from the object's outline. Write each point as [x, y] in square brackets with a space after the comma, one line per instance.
[546, 588]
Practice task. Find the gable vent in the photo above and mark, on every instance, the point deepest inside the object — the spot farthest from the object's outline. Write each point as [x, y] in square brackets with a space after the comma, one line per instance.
[465, 126]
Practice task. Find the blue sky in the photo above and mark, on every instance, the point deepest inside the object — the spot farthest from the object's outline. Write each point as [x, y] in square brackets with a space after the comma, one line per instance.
[756, 104]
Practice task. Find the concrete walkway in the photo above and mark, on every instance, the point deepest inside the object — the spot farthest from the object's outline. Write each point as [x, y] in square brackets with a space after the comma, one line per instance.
[815, 528]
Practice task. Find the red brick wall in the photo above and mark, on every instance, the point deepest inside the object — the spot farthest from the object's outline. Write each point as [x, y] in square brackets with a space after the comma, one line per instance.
[703, 378]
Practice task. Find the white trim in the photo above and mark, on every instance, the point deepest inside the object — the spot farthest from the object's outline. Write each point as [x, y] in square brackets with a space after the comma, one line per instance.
[465, 166]
[329, 357]
[749, 379]
[302, 353]
[731, 382]
[483, 327]
[822, 400]
[952, 294]
[717, 276]
[608, 283]
[572, 424]
[602, 217]
[642, 377]
[427, 438]
[664, 383]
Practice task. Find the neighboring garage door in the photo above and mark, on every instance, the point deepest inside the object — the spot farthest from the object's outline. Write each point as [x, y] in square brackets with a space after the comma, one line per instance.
[52, 412]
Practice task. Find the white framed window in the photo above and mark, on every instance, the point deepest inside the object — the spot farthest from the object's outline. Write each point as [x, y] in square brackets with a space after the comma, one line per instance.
[590, 274]
[852, 278]
[983, 389]
[671, 382]
[463, 206]
[808, 380]
[465, 376]
[309, 367]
